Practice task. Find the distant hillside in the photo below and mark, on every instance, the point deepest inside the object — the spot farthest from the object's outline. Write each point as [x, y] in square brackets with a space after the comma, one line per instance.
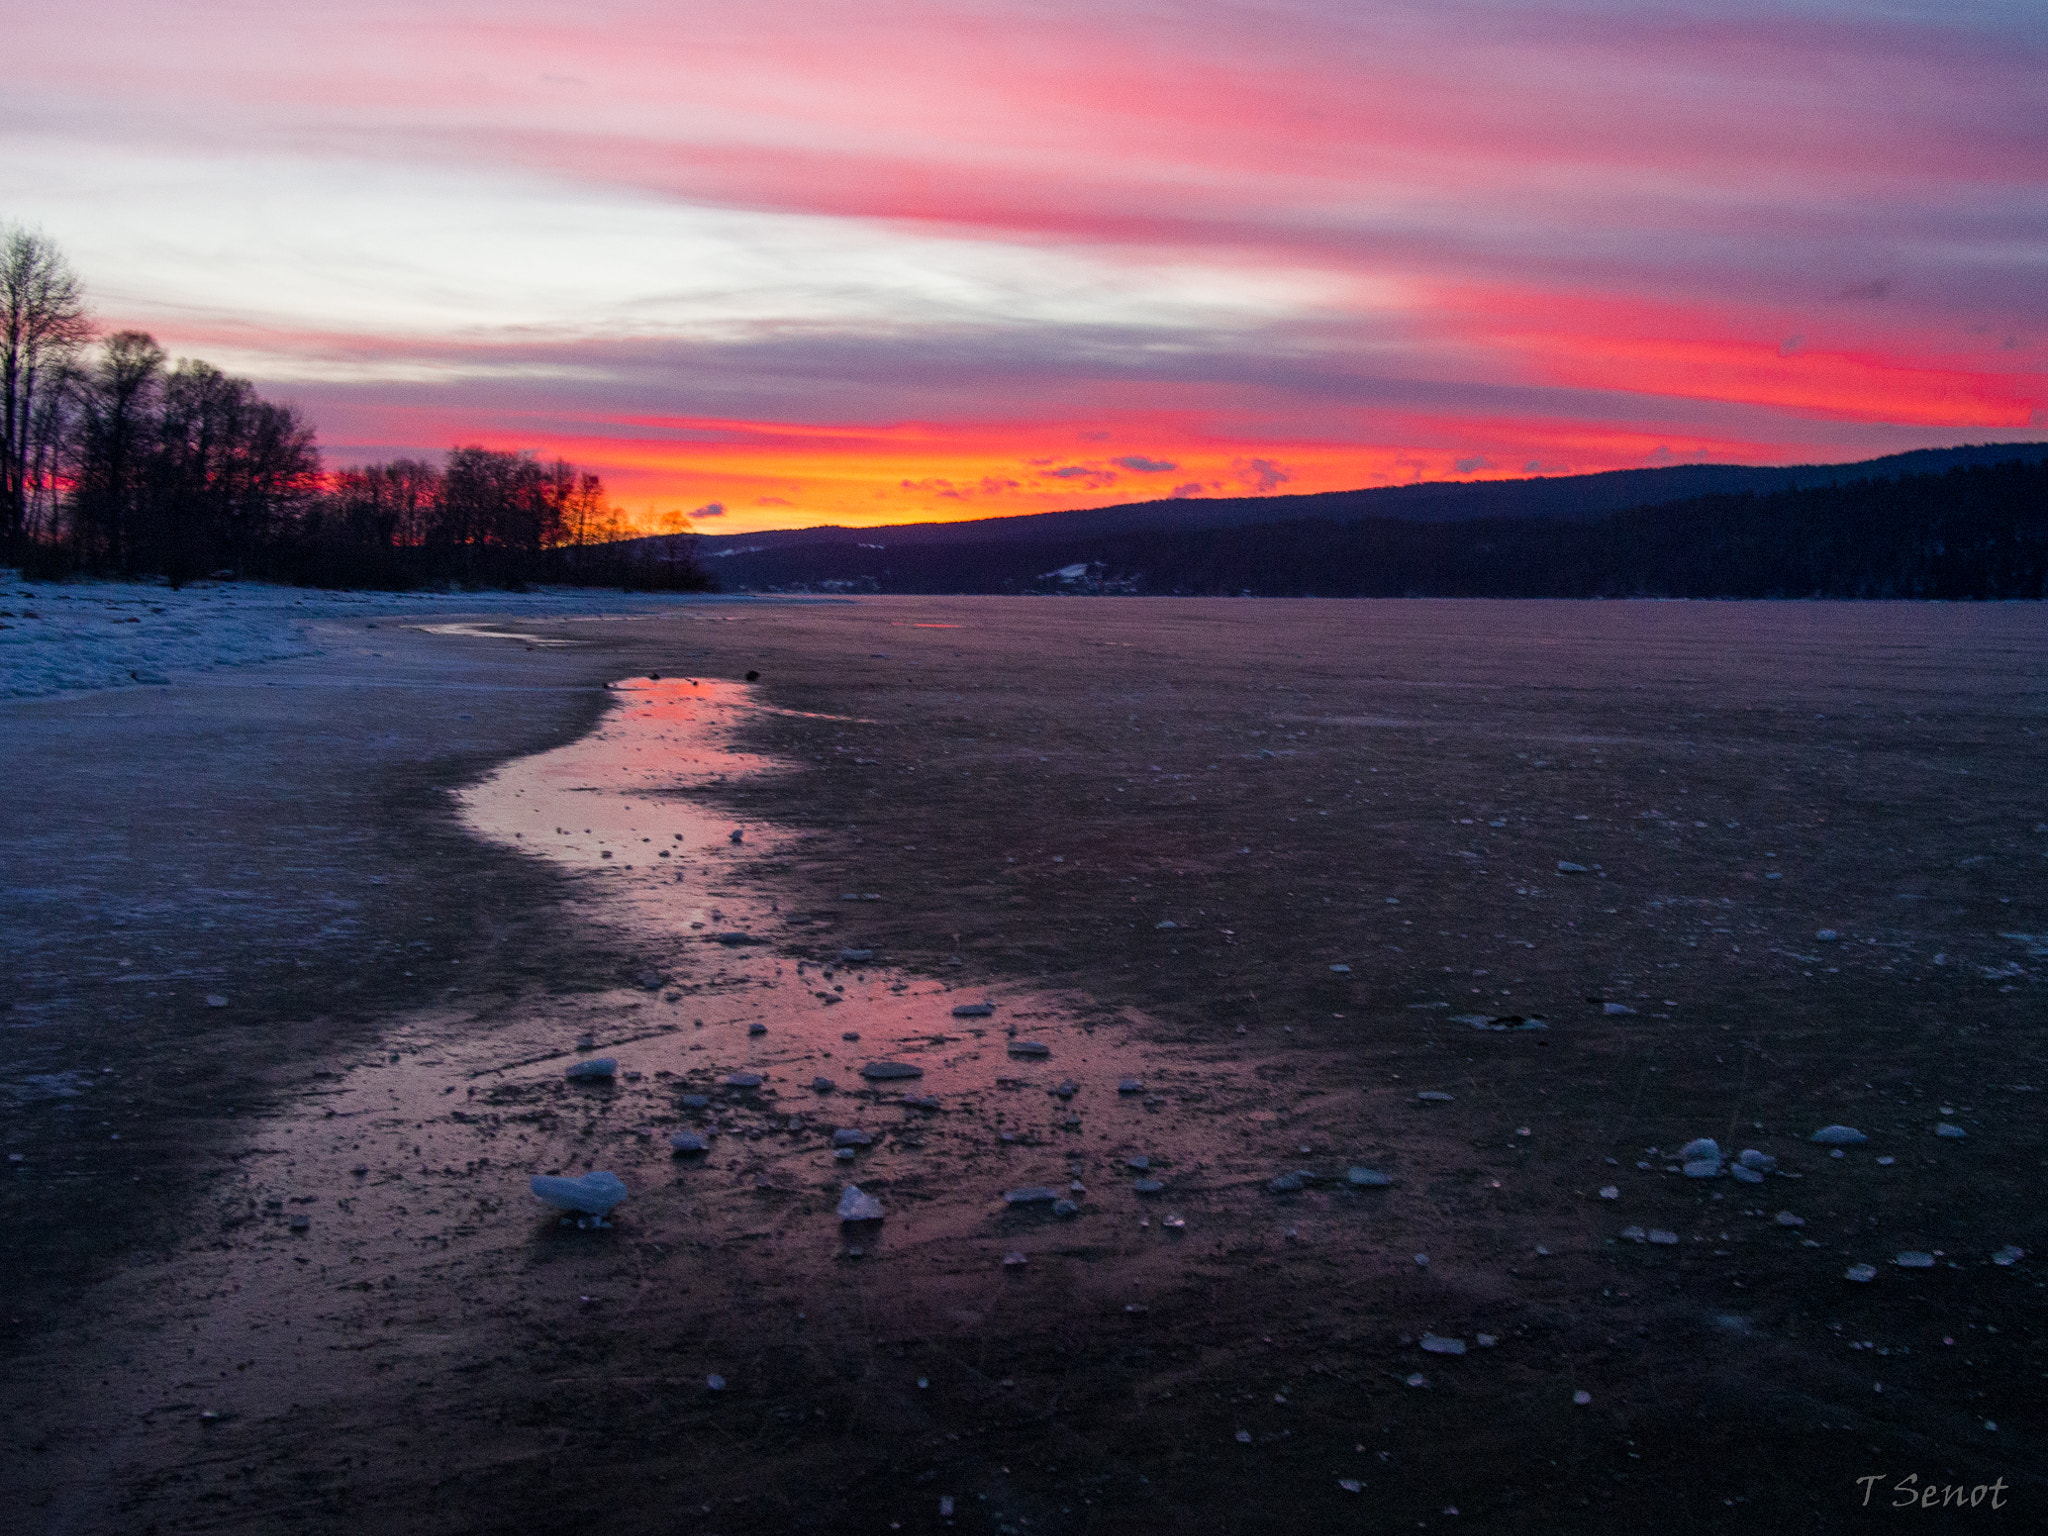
[1976, 531]
[1442, 501]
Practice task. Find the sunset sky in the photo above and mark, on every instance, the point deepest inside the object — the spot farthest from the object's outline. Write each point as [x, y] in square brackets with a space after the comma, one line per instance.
[809, 261]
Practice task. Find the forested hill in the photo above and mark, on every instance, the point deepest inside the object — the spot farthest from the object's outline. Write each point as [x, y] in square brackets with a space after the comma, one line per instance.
[1979, 531]
[1434, 501]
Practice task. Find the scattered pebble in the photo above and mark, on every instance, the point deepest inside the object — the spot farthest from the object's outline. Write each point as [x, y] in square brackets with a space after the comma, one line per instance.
[1436, 1344]
[1418, 1380]
[1660, 1236]
[1582, 1397]
[598, 1068]
[1862, 1274]
[1610, 1191]
[685, 1142]
[1839, 1136]
[1827, 936]
[1366, 1178]
[974, 1010]
[1029, 1048]
[1914, 1260]
[877, 1071]
[822, 1085]
[849, 1136]
[595, 1193]
[1432, 1096]
[1129, 1085]
[744, 1080]
[1947, 1128]
[851, 955]
[1031, 1194]
[856, 1206]
[1014, 1261]
[2006, 1256]
[1567, 867]
[715, 1382]
[1787, 1219]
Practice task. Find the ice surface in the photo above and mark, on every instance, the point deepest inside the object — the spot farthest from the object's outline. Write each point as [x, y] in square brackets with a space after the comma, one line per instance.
[59, 637]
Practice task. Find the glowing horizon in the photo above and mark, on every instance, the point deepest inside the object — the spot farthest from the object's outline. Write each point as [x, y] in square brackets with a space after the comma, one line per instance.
[965, 258]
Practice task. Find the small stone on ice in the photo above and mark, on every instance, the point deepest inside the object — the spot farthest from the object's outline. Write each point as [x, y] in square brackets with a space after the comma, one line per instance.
[1486, 1340]
[1615, 1010]
[821, 1085]
[1139, 1164]
[1860, 1273]
[1703, 1148]
[1762, 1162]
[1244, 1437]
[215, 1000]
[848, 1136]
[1839, 1136]
[2006, 1256]
[974, 1010]
[1703, 1168]
[1065, 1208]
[1031, 1194]
[855, 1206]
[1014, 1261]
[715, 1383]
[744, 1080]
[1147, 1187]
[1029, 1048]
[1787, 1219]
[595, 1069]
[1432, 1096]
[1610, 1191]
[757, 1029]
[1948, 1129]
[1567, 867]
[856, 954]
[1582, 1397]
[1914, 1260]
[1435, 1344]
[1418, 1380]
[595, 1193]
[1635, 1234]
[1341, 970]
[1422, 1260]
[1366, 1178]
[879, 1070]
[1349, 1484]
[1660, 1236]
[685, 1142]
[1129, 1085]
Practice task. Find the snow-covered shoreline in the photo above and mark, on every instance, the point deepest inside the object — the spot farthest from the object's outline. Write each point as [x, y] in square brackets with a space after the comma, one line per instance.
[65, 637]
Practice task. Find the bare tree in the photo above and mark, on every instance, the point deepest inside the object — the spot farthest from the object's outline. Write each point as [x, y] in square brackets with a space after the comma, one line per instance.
[42, 325]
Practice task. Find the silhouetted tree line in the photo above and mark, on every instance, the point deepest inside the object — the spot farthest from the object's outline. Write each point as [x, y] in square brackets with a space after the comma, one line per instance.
[1974, 532]
[114, 460]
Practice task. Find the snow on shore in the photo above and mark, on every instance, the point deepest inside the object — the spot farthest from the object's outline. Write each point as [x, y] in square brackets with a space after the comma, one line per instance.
[56, 637]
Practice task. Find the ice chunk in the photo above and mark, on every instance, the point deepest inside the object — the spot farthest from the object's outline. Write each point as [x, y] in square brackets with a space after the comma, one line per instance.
[1436, 1344]
[594, 1193]
[855, 1206]
[1839, 1136]
[597, 1069]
